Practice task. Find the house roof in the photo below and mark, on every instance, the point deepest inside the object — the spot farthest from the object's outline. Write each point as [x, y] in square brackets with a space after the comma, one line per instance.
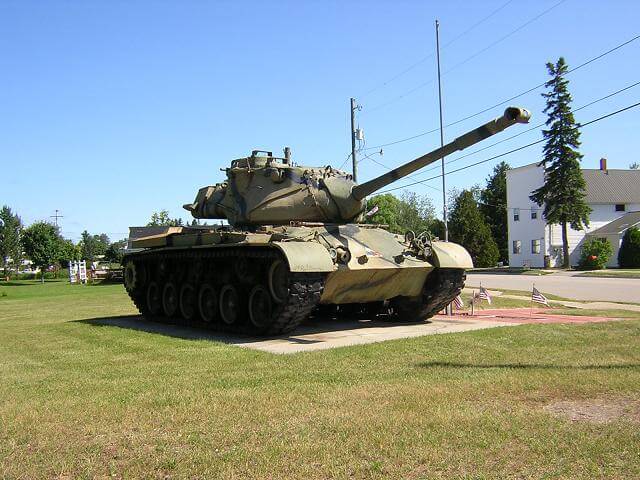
[619, 225]
[612, 186]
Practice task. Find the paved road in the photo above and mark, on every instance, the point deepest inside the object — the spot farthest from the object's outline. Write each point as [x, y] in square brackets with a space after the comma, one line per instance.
[565, 285]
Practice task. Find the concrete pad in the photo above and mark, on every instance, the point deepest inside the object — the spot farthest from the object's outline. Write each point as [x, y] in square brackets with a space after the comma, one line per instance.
[324, 333]
[317, 336]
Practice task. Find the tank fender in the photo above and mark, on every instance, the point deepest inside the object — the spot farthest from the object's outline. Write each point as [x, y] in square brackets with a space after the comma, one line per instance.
[306, 256]
[450, 255]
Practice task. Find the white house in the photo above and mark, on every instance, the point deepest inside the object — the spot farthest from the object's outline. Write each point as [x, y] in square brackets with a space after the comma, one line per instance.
[614, 198]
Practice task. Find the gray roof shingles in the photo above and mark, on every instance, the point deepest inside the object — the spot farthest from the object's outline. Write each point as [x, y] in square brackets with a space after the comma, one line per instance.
[612, 186]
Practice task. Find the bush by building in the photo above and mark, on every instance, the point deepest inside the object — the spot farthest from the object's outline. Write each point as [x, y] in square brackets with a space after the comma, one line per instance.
[596, 253]
[629, 253]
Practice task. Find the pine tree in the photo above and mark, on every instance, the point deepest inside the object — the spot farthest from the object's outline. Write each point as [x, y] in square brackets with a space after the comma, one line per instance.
[563, 192]
[494, 207]
[468, 228]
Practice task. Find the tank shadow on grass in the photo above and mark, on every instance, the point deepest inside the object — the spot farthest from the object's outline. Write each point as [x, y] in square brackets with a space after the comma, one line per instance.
[317, 324]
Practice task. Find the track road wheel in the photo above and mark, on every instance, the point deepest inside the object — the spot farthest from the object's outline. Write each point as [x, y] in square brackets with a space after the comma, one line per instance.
[170, 299]
[208, 303]
[154, 299]
[229, 305]
[279, 281]
[260, 307]
[188, 307]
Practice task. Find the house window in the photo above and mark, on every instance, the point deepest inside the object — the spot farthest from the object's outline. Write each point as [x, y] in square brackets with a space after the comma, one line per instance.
[517, 246]
[534, 214]
[535, 246]
[619, 207]
[516, 214]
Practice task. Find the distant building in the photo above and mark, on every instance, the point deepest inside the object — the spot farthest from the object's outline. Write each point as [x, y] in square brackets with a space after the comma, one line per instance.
[614, 198]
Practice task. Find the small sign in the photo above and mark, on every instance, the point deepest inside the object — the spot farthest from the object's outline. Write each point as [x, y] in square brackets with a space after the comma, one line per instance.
[82, 271]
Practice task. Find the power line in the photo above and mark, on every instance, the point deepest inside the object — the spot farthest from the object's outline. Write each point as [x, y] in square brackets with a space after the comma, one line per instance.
[491, 45]
[507, 100]
[416, 175]
[369, 157]
[424, 59]
[510, 151]
[535, 127]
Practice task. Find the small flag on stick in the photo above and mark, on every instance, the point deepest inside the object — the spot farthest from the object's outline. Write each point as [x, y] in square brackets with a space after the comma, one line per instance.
[537, 297]
[484, 294]
[459, 304]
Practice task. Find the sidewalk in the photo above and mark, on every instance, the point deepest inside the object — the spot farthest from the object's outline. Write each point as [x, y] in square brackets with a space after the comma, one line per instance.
[567, 303]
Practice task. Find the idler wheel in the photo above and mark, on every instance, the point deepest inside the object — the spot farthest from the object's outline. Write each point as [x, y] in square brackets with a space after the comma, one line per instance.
[154, 299]
[187, 302]
[208, 303]
[134, 276]
[279, 281]
[170, 299]
[229, 304]
[260, 307]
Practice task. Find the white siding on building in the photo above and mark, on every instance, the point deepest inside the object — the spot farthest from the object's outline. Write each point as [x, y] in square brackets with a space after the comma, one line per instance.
[520, 183]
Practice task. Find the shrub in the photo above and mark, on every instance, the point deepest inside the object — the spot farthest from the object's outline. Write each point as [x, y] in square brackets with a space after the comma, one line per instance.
[596, 253]
[629, 253]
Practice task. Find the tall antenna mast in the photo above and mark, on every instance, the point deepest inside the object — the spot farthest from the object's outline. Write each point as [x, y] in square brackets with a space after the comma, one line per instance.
[56, 217]
[444, 190]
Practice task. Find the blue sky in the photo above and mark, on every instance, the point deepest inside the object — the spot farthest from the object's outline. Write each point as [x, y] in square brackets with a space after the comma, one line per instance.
[111, 110]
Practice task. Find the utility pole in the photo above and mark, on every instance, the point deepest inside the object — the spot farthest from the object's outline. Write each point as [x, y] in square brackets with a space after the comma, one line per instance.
[56, 216]
[353, 139]
[444, 190]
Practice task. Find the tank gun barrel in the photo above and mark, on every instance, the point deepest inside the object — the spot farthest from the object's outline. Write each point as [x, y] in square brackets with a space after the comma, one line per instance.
[512, 115]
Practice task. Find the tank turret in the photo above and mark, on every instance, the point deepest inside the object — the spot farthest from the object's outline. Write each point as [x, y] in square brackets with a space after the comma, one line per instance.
[266, 190]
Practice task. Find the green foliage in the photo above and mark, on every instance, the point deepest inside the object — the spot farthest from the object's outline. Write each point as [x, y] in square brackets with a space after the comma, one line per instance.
[629, 253]
[114, 251]
[10, 244]
[91, 246]
[634, 166]
[563, 193]
[162, 219]
[494, 207]
[410, 212]
[42, 243]
[68, 251]
[595, 253]
[467, 227]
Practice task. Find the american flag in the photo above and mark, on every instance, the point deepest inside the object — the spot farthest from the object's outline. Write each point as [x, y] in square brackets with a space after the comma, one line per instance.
[537, 297]
[484, 295]
[458, 303]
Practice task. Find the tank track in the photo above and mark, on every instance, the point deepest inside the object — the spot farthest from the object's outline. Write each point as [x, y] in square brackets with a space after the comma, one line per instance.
[216, 267]
[439, 290]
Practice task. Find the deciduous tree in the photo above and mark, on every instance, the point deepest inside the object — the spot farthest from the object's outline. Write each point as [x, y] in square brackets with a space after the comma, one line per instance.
[564, 190]
[162, 219]
[92, 246]
[42, 243]
[410, 212]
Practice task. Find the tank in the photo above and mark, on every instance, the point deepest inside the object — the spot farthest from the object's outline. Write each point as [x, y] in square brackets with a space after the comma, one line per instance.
[295, 242]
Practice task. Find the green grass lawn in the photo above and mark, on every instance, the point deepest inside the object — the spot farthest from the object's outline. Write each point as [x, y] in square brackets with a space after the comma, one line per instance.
[83, 400]
[613, 272]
